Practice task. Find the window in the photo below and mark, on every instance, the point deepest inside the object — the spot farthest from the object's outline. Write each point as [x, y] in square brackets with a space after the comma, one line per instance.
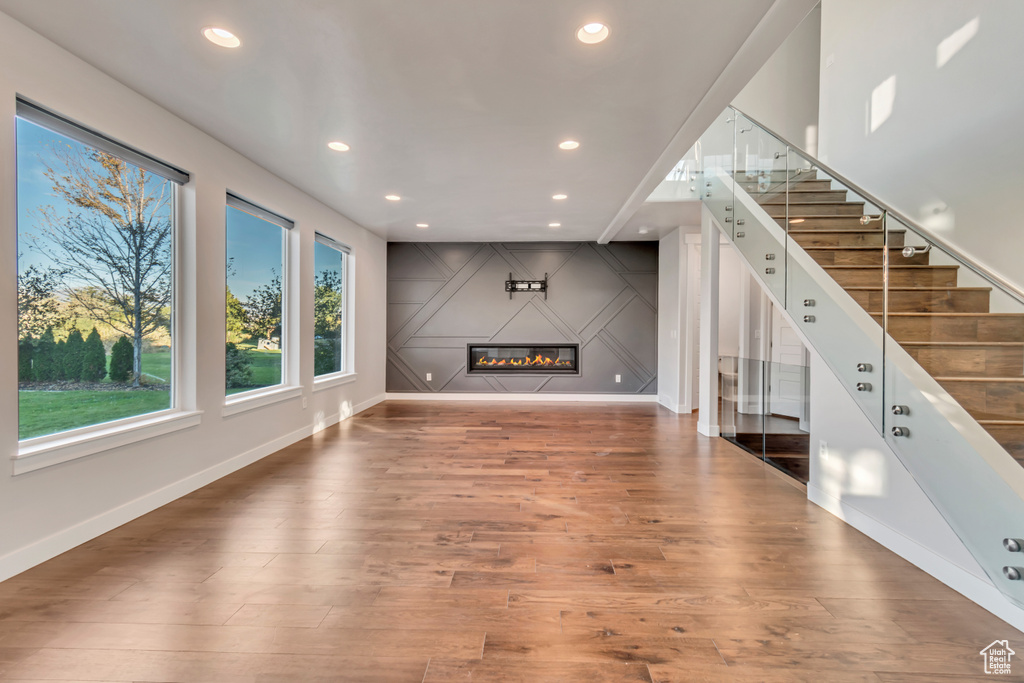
[255, 291]
[329, 315]
[96, 231]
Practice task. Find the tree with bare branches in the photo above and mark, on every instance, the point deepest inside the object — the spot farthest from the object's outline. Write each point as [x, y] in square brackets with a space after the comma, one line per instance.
[113, 244]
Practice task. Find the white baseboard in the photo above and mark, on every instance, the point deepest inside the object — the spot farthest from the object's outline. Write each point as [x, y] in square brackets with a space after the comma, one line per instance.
[44, 549]
[502, 396]
[971, 586]
[673, 406]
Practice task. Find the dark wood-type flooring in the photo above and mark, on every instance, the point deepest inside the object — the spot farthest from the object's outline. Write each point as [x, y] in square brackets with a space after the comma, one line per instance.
[493, 542]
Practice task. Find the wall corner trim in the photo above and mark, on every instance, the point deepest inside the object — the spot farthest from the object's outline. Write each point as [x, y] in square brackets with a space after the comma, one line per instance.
[971, 586]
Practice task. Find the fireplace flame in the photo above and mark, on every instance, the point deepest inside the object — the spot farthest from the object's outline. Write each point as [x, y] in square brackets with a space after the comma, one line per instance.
[538, 360]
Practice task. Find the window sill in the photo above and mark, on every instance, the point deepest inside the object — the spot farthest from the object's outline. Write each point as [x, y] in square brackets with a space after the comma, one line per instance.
[46, 451]
[240, 403]
[333, 380]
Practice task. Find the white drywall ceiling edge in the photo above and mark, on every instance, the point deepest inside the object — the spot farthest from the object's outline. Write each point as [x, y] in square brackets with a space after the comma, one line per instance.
[781, 19]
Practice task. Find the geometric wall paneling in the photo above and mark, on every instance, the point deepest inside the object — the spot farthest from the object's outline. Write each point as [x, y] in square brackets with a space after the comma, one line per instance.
[407, 262]
[631, 326]
[645, 284]
[442, 363]
[454, 256]
[601, 298]
[598, 367]
[398, 377]
[582, 288]
[413, 291]
[522, 385]
[447, 291]
[400, 314]
[530, 324]
[462, 382]
[480, 307]
[536, 262]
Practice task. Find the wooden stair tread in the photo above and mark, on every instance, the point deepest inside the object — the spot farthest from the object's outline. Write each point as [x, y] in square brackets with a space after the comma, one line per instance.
[851, 247]
[965, 344]
[1001, 423]
[948, 313]
[852, 228]
[877, 267]
[1001, 380]
[917, 289]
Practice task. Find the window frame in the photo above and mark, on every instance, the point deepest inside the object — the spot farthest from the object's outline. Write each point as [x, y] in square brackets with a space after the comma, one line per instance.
[347, 372]
[288, 387]
[43, 451]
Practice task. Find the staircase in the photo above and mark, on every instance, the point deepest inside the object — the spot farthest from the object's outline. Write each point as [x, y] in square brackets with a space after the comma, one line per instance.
[976, 355]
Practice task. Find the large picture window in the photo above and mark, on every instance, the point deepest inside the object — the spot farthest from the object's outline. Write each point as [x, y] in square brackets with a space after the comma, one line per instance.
[255, 291]
[95, 277]
[329, 315]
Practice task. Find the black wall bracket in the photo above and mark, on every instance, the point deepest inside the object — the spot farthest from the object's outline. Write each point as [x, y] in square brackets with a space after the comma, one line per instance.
[527, 286]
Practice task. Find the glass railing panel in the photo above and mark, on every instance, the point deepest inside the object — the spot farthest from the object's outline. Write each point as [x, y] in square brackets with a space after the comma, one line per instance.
[743, 402]
[761, 178]
[717, 149]
[787, 437]
[965, 332]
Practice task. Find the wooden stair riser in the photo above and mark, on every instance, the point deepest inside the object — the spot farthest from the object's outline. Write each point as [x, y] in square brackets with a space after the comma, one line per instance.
[924, 301]
[780, 187]
[899, 276]
[844, 238]
[970, 361]
[775, 176]
[864, 257]
[815, 209]
[988, 399]
[797, 195]
[979, 328]
[828, 223]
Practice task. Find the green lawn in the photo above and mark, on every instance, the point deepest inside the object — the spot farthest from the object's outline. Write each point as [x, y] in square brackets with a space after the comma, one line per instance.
[266, 369]
[157, 367]
[48, 412]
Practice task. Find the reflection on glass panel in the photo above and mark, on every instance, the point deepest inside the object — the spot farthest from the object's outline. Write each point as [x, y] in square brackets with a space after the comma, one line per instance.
[94, 285]
[329, 309]
[255, 257]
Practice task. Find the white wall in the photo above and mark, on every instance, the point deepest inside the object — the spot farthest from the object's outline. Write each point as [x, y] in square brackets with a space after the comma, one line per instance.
[49, 510]
[783, 95]
[921, 105]
[671, 320]
[730, 300]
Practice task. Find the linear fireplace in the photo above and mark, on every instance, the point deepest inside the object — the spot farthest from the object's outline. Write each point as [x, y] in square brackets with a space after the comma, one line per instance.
[545, 359]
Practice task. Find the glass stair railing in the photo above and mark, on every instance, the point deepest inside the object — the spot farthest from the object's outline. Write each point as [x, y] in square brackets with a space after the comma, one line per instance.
[929, 344]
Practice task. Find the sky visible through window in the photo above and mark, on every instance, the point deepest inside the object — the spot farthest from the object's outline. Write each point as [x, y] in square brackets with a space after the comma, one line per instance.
[254, 252]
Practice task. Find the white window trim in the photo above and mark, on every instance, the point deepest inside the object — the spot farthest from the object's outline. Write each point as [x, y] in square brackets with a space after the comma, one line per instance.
[347, 308]
[54, 449]
[258, 398]
[335, 379]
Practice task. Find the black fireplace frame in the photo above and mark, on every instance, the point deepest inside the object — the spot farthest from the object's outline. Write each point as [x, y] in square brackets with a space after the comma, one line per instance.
[520, 369]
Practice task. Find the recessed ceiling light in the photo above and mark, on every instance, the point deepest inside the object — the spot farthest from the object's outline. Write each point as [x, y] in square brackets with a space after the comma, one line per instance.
[554, 225]
[422, 225]
[392, 197]
[591, 33]
[559, 196]
[338, 146]
[568, 144]
[643, 231]
[221, 36]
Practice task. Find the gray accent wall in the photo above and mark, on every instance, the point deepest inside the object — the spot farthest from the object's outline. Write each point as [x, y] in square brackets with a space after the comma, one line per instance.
[443, 296]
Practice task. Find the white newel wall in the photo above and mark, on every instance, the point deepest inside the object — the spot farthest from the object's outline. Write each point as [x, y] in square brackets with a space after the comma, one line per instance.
[45, 512]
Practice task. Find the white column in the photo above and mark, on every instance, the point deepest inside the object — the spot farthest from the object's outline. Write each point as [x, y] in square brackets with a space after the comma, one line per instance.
[707, 421]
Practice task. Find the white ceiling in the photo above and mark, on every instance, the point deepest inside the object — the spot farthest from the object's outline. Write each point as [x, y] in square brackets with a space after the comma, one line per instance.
[456, 105]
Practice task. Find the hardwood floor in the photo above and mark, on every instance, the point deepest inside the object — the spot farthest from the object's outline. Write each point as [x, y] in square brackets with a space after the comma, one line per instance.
[492, 542]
